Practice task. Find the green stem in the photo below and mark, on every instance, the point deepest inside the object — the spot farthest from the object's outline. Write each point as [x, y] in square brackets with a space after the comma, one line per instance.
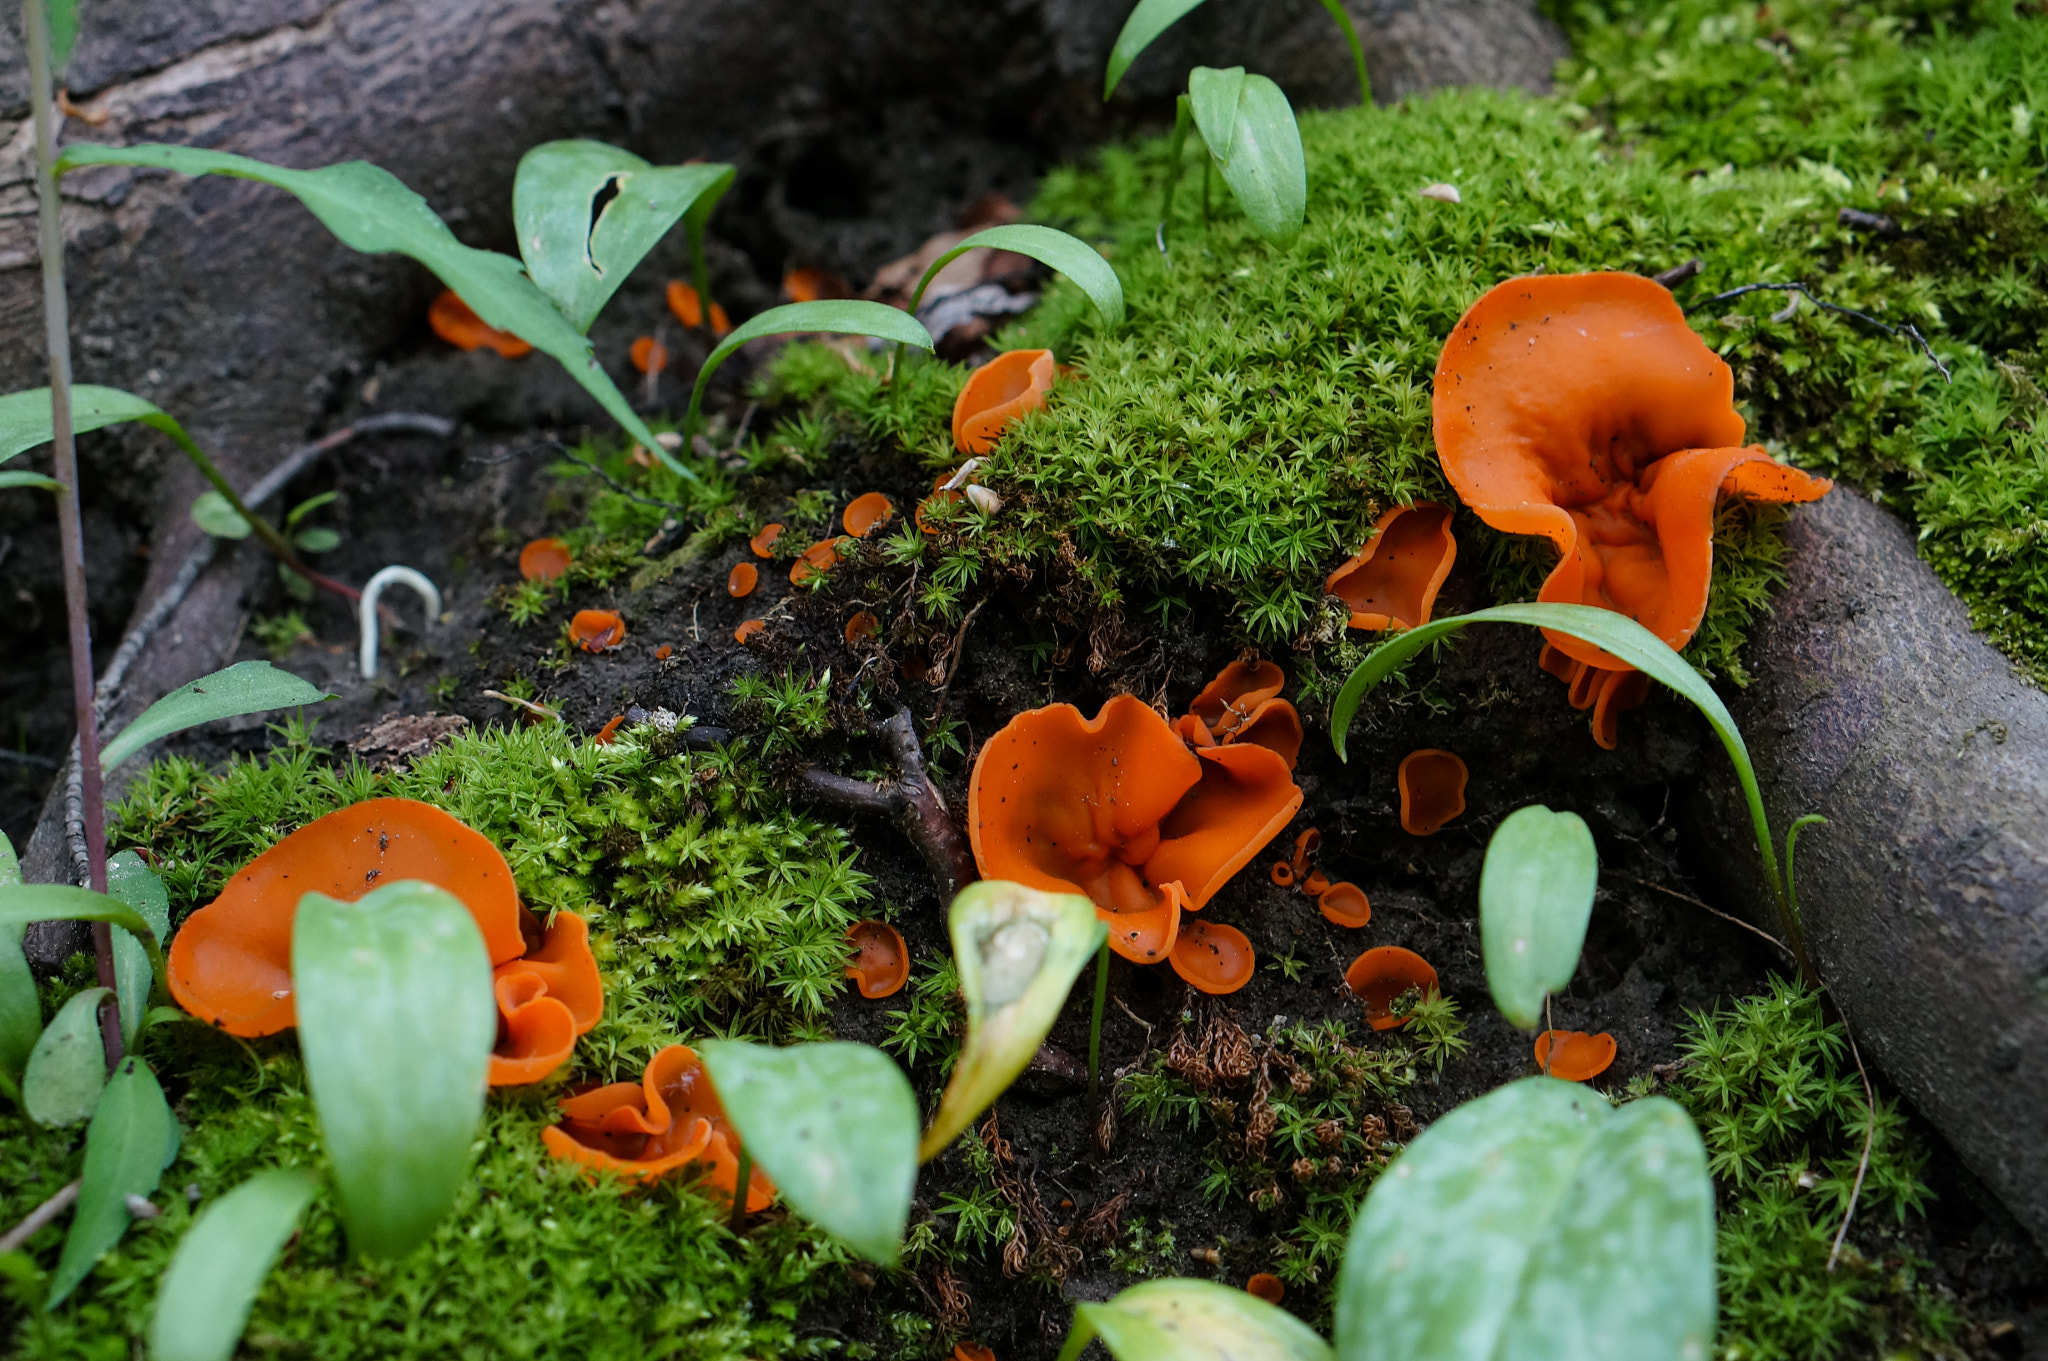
[1095, 1020]
[1183, 121]
[740, 1182]
[1343, 18]
[280, 547]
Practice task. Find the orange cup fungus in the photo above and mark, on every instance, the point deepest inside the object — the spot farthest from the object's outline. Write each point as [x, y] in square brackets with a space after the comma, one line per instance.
[1315, 883]
[1432, 784]
[1344, 904]
[741, 580]
[973, 1351]
[689, 309]
[881, 961]
[1393, 580]
[1382, 976]
[809, 285]
[647, 1129]
[1305, 847]
[663, 653]
[865, 513]
[747, 629]
[649, 355]
[818, 559]
[597, 630]
[862, 625]
[1573, 1055]
[230, 963]
[1609, 694]
[543, 560]
[461, 327]
[997, 393]
[763, 544]
[1282, 874]
[1266, 1286]
[1119, 809]
[610, 730]
[1241, 705]
[940, 498]
[1581, 407]
[1212, 957]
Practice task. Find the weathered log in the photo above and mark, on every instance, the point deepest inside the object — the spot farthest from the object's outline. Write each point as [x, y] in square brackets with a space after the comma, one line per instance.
[1925, 900]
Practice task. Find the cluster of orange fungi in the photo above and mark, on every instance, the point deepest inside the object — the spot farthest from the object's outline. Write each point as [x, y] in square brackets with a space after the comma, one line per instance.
[689, 309]
[597, 630]
[881, 961]
[1343, 903]
[544, 560]
[230, 963]
[1574, 1055]
[647, 1129]
[1392, 582]
[1141, 818]
[455, 323]
[1581, 407]
[1382, 977]
[1432, 785]
[863, 516]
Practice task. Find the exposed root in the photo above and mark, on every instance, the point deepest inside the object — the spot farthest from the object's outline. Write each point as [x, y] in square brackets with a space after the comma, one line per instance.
[911, 801]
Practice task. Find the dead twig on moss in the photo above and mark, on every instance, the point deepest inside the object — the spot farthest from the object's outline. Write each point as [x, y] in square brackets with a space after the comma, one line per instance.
[1863, 1164]
[39, 1216]
[911, 801]
[1907, 329]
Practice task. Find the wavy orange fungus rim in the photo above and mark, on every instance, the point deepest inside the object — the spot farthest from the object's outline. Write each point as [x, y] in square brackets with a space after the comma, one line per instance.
[1264, 1285]
[597, 630]
[742, 579]
[1432, 783]
[996, 394]
[1382, 975]
[1392, 582]
[544, 559]
[867, 512]
[762, 545]
[1574, 1055]
[819, 558]
[546, 999]
[1212, 957]
[881, 961]
[1344, 904]
[456, 322]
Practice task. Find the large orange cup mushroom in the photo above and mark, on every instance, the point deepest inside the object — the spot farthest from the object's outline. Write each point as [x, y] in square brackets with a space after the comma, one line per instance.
[1392, 582]
[1117, 808]
[647, 1129]
[1212, 957]
[1583, 408]
[997, 393]
[1381, 976]
[546, 998]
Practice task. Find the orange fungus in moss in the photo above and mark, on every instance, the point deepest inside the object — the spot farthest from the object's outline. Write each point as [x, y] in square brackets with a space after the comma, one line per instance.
[1382, 976]
[1212, 957]
[543, 559]
[1393, 580]
[597, 630]
[1573, 1055]
[881, 961]
[997, 393]
[862, 625]
[865, 513]
[741, 579]
[546, 998]
[455, 323]
[763, 544]
[818, 559]
[669, 1119]
[1432, 784]
[610, 730]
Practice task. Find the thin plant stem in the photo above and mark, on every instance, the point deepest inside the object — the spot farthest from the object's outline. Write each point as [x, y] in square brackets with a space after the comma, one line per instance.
[1549, 1036]
[1183, 120]
[1863, 1164]
[1095, 1021]
[742, 1179]
[70, 536]
[1343, 18]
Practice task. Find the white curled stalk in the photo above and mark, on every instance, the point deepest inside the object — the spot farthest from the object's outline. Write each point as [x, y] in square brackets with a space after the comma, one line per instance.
[403, 576]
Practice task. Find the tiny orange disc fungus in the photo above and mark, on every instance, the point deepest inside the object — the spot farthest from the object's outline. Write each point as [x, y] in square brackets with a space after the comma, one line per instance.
[763, 543]
[741, 580]
[1282, 874]
[609, 731]
[1382, 976]
[597, 630]
[1573, 1055]
[663, 653]
[1119, 809]
[1266, 1286]
[881, 961]
[1393, 581]
[867, 511]
[747, 629]
[1212, 957]
[689, 309]
[649, 355]
[862, 625]
[543, 560]
[647, 1129]
[1432, 784]
[1345, 905]
[809, 285]
[997, 393]
[1305, 847]
[455, 323]
[818, 559]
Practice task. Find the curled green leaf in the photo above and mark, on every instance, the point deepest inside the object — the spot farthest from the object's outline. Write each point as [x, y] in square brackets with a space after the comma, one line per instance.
[1056, 250]
[1148, 19]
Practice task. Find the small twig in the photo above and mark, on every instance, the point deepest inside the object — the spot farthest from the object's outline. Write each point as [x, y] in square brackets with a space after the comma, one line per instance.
[911, 801]
[953, 658]
[618, 488]
[1734, 921]
[1903, 329]
[1678, 274]
[1855, 219]
[1863, 1166]
[28, 758]
[537, 710]
[39, 1216]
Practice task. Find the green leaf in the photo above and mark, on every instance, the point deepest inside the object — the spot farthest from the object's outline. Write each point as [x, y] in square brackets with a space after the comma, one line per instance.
[1054, 249]
[132, 1139]
[834, 1126]
[1260, 156]
[1535, 898]
[21, 904]
[396, 1023]
[1018, 951]
[372, 211]
[63, 32]
[212, 513]
[202, 1303]
[580, 253]
[35, 480]
[68, 1066]
[1182, 1320]
[135, 884]
[1147, 21]
[1343, 18]
[308, 506]
[1538, 1223]
[21, 1012]
[318, 539]
[1213, 97]
[244, 688]
[25, 419]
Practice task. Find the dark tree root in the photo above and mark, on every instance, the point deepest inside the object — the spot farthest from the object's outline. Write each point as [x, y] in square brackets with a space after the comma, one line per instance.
[911, 801]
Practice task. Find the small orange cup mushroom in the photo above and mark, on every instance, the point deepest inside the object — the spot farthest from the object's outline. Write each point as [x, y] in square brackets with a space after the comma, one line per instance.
[1393, 580]
[1382, 976]
[763, 544]
[1432, 783]
[973, 1351]
[689, 309]
[1282, 874]
[866, 512]
[805, 284]
[1266, 1286]
[597, 630]
[1315, 883]
[649, 355]
[747, 629]
[647, 1129]
[1344, 904]
[663, 653]
[818, 559]
[1573, 1055]
[741, 580]
[1212, 957]
[604, 735]
[454, 321]
[997, 393]
[940, 497]
[546, 998]
[544, 560]
[1227, 703]
[881, 961]
[1305, 847]
[862, 625]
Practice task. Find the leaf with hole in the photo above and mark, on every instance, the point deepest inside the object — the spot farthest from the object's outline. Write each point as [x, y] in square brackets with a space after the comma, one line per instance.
[587, 213]
[135, 884]
[1539, 1223]
[1182, 1320]
[68, 1066]
[203, 1299]
[1018, 951]
[244, 688]
[132, 1139]
[1056, 250]
[1250, 129]
[396, 1023]
[834, 1126]
[1535, 898]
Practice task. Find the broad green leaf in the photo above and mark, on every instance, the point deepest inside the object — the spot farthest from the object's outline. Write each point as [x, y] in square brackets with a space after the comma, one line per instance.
[1262, 162]
[21, 1013]
[1538, 1223]
[1147, 21]
[212, 513]
[135, 884]
[1535, 898]
[1213, 98]
[25, 419]
[396, 1025]
[372, 211]
[1183, 1320]
[834, 1126]
[244, 688]
[36, 480]
[578, 252]
[203, 1300]
[21, 904]
[1018, 951]
[132, 1139]
[1054, 249]
[68, 1066]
